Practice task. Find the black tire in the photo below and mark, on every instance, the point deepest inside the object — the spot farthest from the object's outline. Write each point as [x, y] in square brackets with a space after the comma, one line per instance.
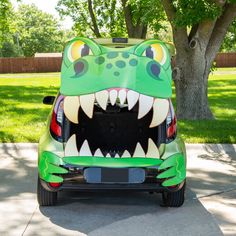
[45, 198]
[174, 199]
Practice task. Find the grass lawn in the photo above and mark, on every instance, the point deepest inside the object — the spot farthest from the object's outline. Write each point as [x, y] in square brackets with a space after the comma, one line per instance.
[22, 114]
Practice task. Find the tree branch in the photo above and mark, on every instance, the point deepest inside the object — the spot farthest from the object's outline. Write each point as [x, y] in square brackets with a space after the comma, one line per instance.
[220, 3]
[204, 32]
[93, 18]
[221, 26]
[193, 32]
[84, 18]
[180, 35]
[128, 17]
[169, 9]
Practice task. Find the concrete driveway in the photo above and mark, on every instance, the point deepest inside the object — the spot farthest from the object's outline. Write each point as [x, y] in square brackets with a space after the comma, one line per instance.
[209, 209]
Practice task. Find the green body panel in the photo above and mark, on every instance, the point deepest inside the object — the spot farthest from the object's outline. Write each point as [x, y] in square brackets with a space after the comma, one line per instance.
[103, 68]
[116, 68]
[49, 165]
[112, 162]
[174, 166]
[176, 170]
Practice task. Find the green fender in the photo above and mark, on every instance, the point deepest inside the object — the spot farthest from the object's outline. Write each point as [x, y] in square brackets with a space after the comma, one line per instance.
[49, 165]
[174, 167]
[174, 170]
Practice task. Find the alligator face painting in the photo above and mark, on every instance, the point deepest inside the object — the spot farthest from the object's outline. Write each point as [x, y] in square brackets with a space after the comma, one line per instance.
[113, 124]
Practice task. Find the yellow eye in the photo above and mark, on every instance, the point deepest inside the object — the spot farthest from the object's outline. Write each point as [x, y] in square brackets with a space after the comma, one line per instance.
[156, 52]
[77, 50]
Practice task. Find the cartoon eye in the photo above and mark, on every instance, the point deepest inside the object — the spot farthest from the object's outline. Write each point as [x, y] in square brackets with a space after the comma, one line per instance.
[77, 50]
[156, 52]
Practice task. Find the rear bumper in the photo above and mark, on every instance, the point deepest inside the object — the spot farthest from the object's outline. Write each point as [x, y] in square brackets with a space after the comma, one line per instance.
[171, 169]
[83, 186]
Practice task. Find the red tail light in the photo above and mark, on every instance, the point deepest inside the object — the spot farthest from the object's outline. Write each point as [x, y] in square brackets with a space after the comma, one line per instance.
[55, 185]
[55, 127]
[171, 130]
[171, 123]
[57, 118]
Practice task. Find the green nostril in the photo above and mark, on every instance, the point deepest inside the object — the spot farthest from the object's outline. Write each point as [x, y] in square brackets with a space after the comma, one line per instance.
[125, 54]
[133, 62]
[111, 55]
[109, 66]
[100, 60]
[116, 73]
[120, 64]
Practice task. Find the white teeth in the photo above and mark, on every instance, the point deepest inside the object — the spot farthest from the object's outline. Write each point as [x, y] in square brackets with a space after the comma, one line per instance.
[113, 96]
[108, 155]
[122, 96]
[71, 108]
[102, 98]
[87, 104]
[160, 111]
[98, 153]
[126, 154]
[139, 151]
[132, 98]
[71, 148]
[85, 149]
[145, 105]
[117, 156]
[153, 151]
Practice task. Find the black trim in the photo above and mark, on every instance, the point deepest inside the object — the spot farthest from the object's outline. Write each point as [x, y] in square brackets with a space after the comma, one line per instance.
[119, 40]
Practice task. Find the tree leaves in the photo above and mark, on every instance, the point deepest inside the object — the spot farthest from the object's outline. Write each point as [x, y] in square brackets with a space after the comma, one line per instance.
[38, 31]
[192, 12]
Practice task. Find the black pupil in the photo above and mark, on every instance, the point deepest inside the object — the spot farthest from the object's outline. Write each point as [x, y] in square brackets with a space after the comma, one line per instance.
[149, 52]
[155, 69]
[85, 51]
[79, 67]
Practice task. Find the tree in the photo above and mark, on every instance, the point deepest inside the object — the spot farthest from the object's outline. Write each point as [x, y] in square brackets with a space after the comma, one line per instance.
[112, 18]
[229, 43]
[94, 18]
[5, 20]
[199, 28]
[142, 16]
[38, 31]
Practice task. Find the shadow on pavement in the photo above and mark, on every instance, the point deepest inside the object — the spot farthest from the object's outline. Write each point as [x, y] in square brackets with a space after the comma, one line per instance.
[110, 213]
[131, 213]
[17, 171]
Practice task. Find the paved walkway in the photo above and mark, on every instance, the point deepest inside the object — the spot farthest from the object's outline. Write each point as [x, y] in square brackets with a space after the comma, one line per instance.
[210, 207]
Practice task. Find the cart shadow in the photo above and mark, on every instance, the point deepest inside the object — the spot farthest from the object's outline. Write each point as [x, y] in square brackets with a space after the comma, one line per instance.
[116, 213]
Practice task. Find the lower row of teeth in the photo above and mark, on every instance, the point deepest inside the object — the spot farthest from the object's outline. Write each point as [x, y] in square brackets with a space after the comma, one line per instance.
[146, 103]
[71, 150]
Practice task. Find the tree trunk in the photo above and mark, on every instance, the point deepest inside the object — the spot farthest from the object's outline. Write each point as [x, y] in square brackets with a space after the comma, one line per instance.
[94, 20]
[195, 54]
[191, 88]
[138, 30]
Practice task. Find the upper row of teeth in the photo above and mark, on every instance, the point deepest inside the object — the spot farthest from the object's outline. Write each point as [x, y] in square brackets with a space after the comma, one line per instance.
[71, 150]
[146, 103]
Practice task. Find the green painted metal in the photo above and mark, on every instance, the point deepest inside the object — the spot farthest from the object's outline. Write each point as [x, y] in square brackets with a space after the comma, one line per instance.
[174, 174]
[112, 162]
[175, 170]
[49, 165]
[106, 68]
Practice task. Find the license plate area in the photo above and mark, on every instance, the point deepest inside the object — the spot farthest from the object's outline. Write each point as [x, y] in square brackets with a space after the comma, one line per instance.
[114, 175]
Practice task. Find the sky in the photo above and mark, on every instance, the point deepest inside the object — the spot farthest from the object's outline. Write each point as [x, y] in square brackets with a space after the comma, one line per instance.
[48, 6]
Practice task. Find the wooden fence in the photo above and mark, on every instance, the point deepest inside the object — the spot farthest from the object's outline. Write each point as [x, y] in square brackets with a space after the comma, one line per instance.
[226, 59]
[30, 64]
[53, 64]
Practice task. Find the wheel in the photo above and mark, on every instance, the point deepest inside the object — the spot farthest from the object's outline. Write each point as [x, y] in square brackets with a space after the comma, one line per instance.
[45, 198]
[174, 199]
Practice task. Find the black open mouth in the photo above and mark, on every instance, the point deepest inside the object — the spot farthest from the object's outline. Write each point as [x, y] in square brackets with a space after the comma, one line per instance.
[115, 130]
